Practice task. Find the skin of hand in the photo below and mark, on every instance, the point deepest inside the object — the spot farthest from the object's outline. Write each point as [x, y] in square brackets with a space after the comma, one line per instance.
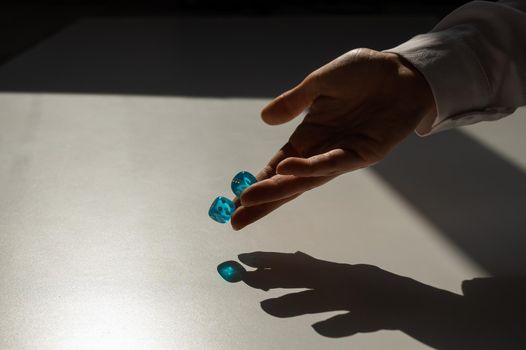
[358, 108]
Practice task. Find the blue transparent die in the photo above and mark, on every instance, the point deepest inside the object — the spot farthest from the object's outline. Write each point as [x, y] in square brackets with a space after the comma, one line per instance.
[221, 209]
[231, 271]
[242, 181]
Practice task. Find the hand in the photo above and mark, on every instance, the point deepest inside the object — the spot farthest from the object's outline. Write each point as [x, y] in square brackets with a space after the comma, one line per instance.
[370, 298]
[359, 107]
[490, 314]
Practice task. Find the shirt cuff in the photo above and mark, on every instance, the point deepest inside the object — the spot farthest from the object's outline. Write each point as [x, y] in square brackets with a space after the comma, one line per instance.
[459, 84]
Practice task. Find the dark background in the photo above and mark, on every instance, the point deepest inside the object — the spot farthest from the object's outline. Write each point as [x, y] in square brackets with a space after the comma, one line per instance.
[24, 23]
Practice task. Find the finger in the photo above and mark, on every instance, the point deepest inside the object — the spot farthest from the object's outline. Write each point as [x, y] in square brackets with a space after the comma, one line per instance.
[270, 279]
[279, 187]
[301, 303]
[266, 259]
[270, 169]
[291, 103]
[334, 162]
[342, 325]
[281, 270]
[275, 260]
[244, 216]
[347, 324]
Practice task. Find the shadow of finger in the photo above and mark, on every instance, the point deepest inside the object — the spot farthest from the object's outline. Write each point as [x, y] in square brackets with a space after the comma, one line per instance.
[301, 303]
[347, 324]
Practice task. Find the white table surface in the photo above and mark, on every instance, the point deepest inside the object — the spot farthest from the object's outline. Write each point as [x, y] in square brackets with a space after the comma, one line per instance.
[105, 242]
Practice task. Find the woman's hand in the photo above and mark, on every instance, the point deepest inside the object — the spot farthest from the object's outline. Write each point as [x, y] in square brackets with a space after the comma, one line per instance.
[359, 107]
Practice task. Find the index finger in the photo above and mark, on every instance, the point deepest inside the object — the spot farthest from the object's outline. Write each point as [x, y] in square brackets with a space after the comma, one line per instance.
[270, 169]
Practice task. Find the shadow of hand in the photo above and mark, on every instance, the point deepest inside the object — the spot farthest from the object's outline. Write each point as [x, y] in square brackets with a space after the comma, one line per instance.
[488, 316]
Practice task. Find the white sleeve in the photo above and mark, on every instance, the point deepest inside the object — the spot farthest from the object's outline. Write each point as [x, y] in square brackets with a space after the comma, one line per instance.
[474, 61]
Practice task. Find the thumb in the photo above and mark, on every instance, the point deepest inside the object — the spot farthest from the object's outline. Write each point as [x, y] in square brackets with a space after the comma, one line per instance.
[291, 103]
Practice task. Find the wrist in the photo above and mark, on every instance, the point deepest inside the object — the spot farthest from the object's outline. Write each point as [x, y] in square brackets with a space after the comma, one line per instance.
[419, 90]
